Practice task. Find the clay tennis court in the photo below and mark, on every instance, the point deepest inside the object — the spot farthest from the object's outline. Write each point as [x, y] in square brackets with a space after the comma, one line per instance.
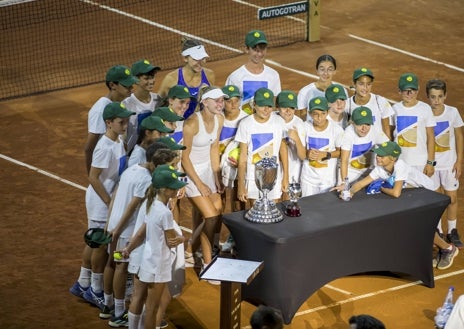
[43, 175]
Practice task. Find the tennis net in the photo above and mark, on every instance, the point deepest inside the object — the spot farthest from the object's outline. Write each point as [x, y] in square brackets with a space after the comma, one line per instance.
[56, 44]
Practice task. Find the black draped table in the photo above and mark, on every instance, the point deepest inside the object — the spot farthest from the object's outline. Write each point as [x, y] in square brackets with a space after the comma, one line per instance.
[334, 238]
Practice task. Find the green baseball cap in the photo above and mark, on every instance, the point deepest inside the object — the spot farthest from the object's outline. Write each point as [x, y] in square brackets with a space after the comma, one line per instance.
[170, 143]
[335, 92]
[361, 72]
[143, 66]
[153, 122]
[264, 97]
[121, 74]
[167, 114]
[169, 167]
[96, 237]
[362, 116]
[255, 37]
[231, 91]
[287, 98]
[179, 91]
[116, 110]
[387, 148]
[318, 103]
[163, 178]
[408, 81]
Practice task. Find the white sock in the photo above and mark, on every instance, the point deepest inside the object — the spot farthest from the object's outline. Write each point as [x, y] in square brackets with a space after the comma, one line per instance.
[439, 227]
[133, 320]
[84, 277]
[142, 318]
[119, 306]
[97, 282]
[451, 225]
[109, 300]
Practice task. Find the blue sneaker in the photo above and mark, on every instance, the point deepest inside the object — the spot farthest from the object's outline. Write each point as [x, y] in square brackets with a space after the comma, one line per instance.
[78, 290]
[93, 298]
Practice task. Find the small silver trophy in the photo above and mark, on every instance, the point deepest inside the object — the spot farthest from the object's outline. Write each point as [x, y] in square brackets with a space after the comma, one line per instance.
[265, 210]
[293, 209]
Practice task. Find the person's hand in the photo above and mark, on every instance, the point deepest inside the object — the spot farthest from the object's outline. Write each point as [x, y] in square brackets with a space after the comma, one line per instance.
[293, 134]
[220, 186]
[429, 170]
[316, 155]
[173, 242]
[242, 193]
[284, 186]
[338, 188]
[204, 189]
[125, 252]
[181, 193]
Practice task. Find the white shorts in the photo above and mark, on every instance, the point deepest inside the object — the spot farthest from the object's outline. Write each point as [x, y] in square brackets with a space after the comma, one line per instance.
[254, 193]
[148, 277]
[122, 242]
[135, 259]
[446, 179]
[308, 189]
[205, 172]
[95, 224]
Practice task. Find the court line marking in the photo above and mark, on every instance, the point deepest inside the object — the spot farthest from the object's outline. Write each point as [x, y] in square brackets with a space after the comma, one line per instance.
[6, 3]
[43, 172]
[375, 293]
[144, 20]
[453, 67]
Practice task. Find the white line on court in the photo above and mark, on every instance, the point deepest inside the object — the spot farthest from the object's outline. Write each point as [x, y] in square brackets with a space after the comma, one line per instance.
[453, 67]
[144, 20]
[43, 172]
[379, 292]
[58, 178]
[5, 3]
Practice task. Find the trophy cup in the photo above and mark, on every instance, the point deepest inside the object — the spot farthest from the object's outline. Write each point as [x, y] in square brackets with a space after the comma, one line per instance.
[265, 210]
[293, 209]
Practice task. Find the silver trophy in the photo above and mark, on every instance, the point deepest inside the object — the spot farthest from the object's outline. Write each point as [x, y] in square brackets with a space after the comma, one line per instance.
[265, 210]
[293, 209]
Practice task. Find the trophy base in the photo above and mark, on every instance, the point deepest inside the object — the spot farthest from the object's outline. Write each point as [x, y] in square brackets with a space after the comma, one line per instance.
[293, 210]
[265, 212]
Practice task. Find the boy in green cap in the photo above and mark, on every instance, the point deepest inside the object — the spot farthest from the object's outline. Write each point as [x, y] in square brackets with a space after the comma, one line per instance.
[254, 74]
[382, 111]
[336, 97]
[119, 81]
[143, 100]
[322, 140]
[286, 104]
[151, 128]
[108, 163]
[357, 141]
[394, 174]
[260, 135]
[449, 153]
[414, 126]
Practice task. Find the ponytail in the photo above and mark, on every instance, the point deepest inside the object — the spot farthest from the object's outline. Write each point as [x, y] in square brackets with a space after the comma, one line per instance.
[151, 194]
